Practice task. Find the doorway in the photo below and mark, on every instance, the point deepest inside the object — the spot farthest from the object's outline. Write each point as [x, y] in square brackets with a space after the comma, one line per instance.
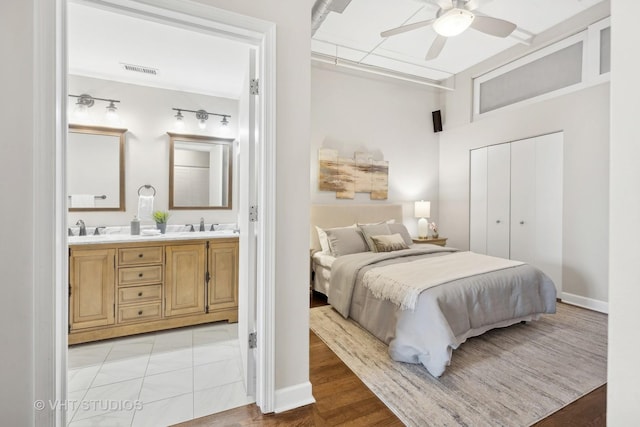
[251, 162]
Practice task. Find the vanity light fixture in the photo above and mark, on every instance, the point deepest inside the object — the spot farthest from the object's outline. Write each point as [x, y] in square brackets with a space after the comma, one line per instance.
[202, 117]
[86, 101]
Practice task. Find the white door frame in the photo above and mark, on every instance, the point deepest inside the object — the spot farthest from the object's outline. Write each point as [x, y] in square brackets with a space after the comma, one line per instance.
[50, 274]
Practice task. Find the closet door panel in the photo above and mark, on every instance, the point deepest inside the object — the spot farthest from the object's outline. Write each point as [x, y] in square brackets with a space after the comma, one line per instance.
[549, 194]
[498, 194]
[523, 200]
[478, 201]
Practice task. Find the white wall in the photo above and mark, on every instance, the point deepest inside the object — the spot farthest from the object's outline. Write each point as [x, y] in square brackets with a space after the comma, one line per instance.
[584, 118]
[16, 186]
[147, 114]
[354, 111]
[623, 393]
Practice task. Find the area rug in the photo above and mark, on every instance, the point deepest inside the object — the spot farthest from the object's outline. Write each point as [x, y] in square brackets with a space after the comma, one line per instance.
[511, 376]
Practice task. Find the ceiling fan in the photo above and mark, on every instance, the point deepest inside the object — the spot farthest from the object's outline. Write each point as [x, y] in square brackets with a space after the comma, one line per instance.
[454, 17]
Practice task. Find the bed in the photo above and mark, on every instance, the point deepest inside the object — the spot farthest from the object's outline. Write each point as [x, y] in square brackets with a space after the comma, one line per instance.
[422, 300]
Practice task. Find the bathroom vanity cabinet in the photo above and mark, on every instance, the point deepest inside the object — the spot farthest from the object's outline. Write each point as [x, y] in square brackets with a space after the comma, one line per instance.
[126, 288]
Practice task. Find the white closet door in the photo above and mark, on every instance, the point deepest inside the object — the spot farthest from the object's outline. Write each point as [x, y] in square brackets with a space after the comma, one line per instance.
[498, 189]
[523, 200]
[549, 181]
[478, 201]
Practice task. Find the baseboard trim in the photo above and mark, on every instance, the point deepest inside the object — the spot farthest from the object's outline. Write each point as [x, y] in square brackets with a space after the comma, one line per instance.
[584, 302]
[293, 397]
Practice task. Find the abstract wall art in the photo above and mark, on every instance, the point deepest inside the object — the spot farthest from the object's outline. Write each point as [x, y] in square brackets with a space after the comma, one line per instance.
[347, 176]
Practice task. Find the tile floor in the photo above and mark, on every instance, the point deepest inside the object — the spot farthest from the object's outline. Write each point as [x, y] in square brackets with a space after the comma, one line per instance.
[156, 379]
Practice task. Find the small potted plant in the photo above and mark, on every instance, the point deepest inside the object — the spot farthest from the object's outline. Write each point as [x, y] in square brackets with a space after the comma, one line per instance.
[161, 217]
[434, 230]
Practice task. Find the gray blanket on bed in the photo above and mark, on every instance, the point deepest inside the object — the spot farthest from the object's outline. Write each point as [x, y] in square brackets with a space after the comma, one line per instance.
[445, 315]
[345, 269]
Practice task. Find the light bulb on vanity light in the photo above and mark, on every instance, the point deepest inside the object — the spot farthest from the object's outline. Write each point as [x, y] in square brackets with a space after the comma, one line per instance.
[422, 210]
[83, 104]
[179, 124]
[224, 126]
[202, 117]
[112, 113]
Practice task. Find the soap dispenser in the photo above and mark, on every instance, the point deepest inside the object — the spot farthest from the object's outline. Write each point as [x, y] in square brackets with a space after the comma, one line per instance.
[135, 226]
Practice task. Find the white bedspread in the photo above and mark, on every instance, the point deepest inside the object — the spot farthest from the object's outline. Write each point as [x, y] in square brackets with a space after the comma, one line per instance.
[402, 283]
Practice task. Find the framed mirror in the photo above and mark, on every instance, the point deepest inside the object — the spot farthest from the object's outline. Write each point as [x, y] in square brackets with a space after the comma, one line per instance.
[200, 172]
[95, 168]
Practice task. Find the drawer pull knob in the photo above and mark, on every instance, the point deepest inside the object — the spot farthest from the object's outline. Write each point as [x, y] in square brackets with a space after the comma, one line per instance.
[140, 255]
[140, 275]
[139, 294]
[140, 313]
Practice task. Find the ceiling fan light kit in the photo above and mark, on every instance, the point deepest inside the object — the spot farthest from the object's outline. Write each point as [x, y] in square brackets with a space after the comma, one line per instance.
[453, 22]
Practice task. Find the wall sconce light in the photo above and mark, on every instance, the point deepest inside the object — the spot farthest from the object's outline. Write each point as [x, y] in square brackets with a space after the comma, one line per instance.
[202, 116]
[86, 101]
[422, 210]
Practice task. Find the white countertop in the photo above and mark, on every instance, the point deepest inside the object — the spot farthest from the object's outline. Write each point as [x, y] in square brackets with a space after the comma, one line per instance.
[127, 238]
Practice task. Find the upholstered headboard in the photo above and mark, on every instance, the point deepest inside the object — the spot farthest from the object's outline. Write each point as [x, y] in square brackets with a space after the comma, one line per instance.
[328, 216]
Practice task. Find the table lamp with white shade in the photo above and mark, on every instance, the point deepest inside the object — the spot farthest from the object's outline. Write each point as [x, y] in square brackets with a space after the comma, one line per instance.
[422, 210]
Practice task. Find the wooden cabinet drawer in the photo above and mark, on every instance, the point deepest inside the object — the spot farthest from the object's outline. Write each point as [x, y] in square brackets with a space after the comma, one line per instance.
[139, 294]
[137, 256]
[138, 313]
[139, 275]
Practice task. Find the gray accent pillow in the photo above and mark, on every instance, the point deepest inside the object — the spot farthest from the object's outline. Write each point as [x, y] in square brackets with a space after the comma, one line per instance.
[389, 243]
[402, 230]
[373, 230]
[344, 241]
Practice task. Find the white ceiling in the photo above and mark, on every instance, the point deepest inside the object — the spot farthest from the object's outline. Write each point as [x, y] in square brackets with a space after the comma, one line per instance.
[354, 35]
[100, 41]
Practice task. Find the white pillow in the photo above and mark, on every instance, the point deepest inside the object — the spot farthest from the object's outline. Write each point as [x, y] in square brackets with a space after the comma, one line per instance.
[324, 240]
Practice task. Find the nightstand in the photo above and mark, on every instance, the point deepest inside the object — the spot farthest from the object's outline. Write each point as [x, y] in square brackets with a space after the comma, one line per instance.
[441, 241]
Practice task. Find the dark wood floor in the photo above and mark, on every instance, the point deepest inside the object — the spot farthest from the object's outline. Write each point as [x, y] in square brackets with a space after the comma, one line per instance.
[342, 399]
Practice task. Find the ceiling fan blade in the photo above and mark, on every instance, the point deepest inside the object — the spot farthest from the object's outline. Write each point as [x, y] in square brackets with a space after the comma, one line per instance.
[493, 26]
[472, 4]
[405, 28]
[444, 4]
[436, 48]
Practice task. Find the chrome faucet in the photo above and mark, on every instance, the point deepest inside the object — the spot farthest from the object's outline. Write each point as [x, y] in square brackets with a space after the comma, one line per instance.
[83, 228]
[201, 224]
[97, 231]
[190, 227]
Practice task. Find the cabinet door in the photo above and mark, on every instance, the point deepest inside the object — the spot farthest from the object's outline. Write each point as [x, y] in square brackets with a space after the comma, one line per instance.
[523, 200]
[478, 201]
[498, 204]
[223, 270]
[184, 281]
[92, 288]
